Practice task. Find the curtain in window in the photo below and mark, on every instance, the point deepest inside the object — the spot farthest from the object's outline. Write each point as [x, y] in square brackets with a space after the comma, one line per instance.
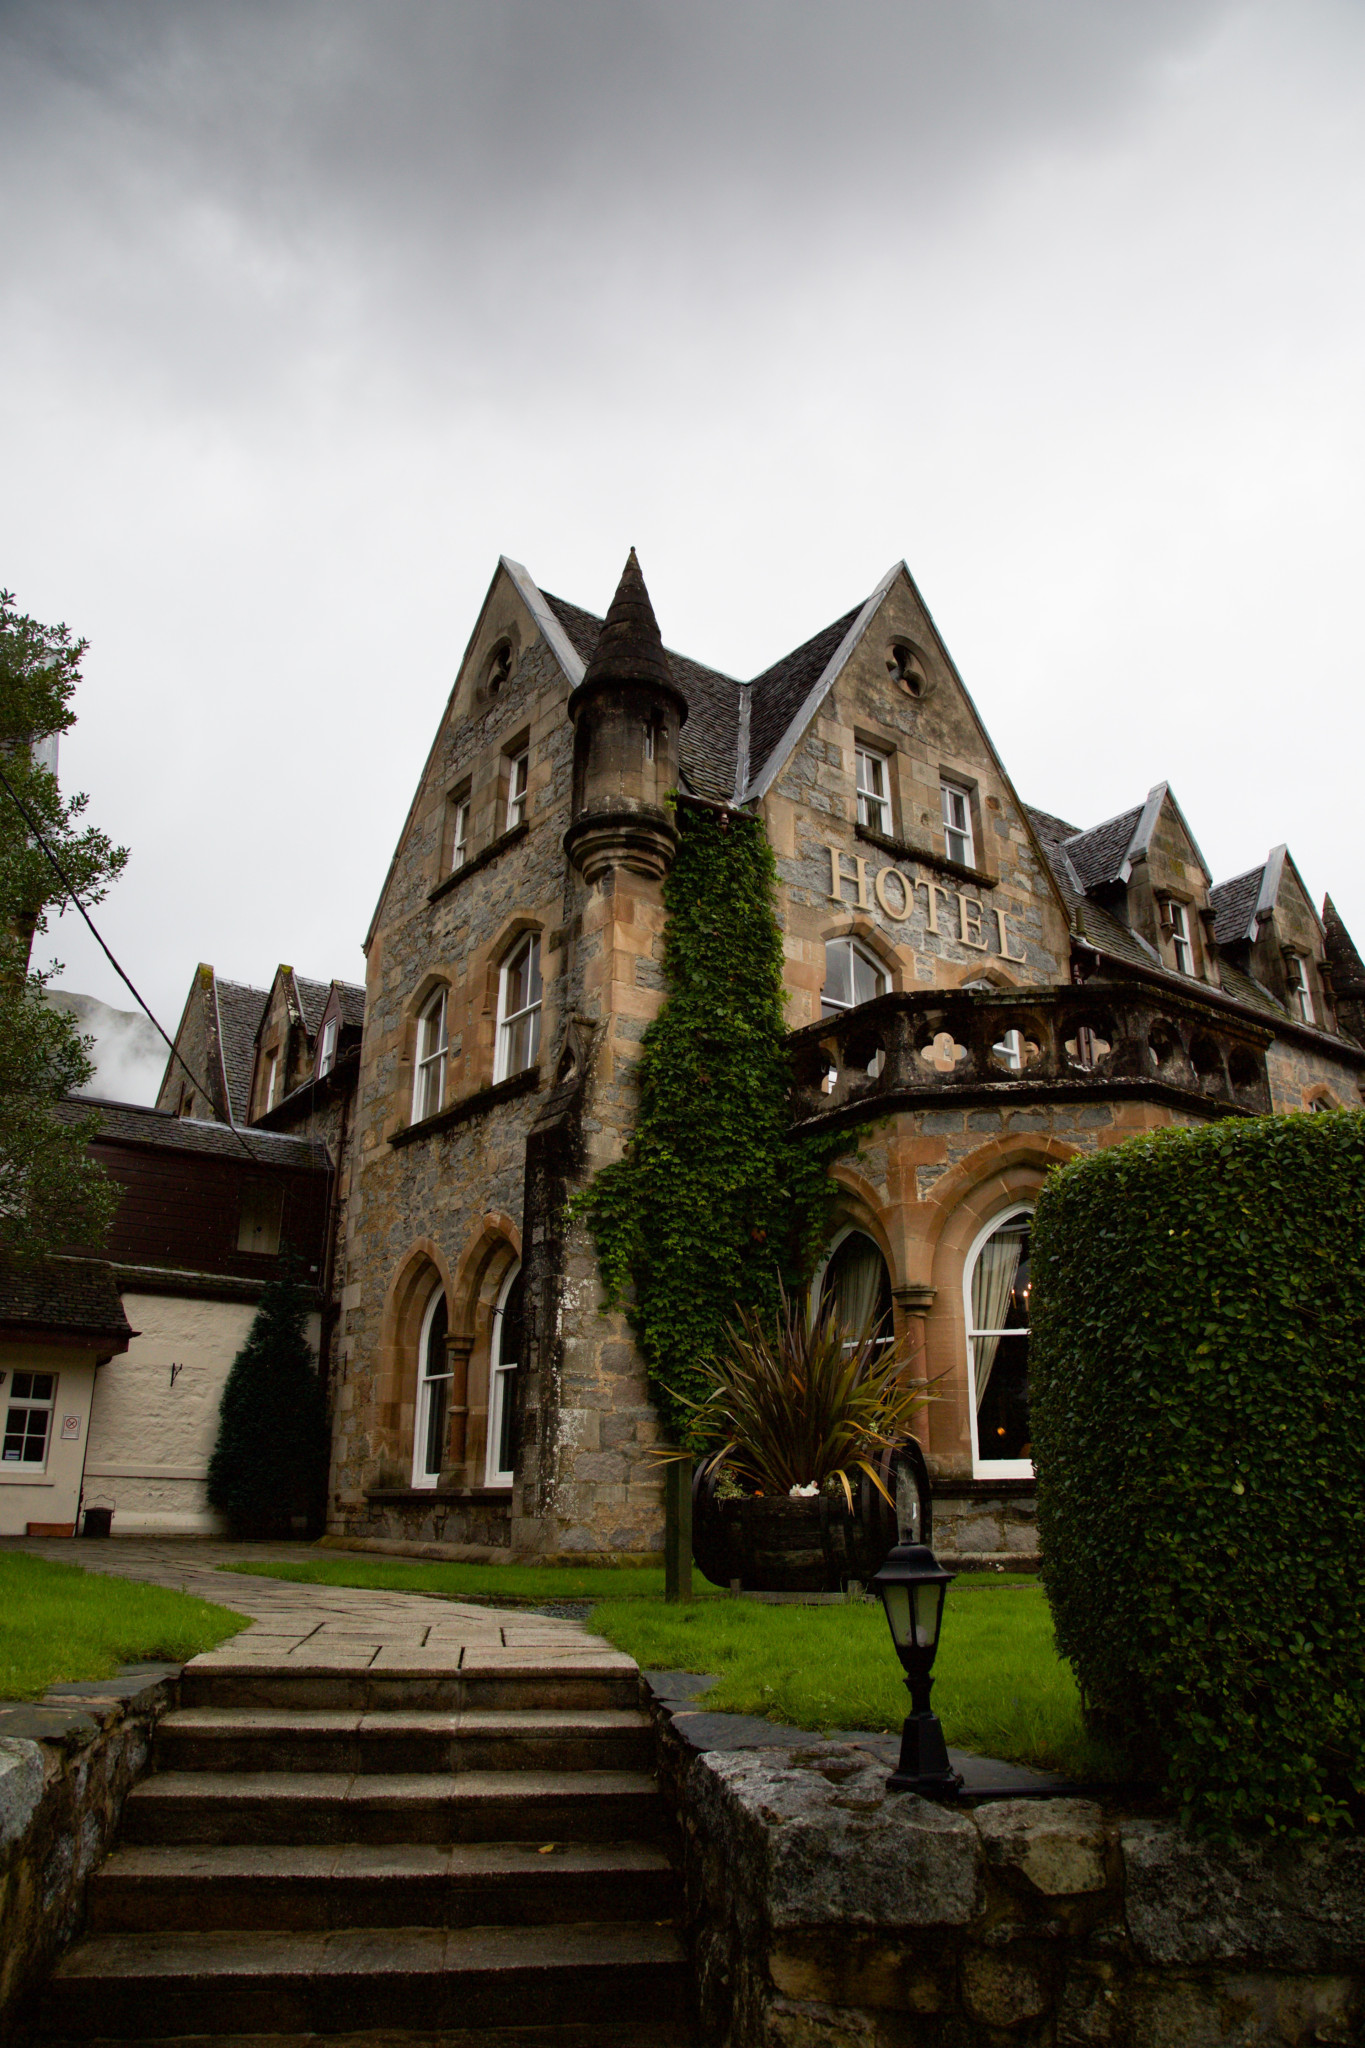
[996, 1265]
[856, 1279]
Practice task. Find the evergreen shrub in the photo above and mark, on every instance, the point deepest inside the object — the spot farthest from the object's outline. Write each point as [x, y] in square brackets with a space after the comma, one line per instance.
[1198, 1411]
[269, 1464]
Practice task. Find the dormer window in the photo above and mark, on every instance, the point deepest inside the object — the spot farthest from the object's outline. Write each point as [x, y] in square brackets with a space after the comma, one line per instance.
[429, 1077]
[518, 772]
[1300, 990]
[874, 790]
[1178, 918]
[327, 1051]
[958, 841]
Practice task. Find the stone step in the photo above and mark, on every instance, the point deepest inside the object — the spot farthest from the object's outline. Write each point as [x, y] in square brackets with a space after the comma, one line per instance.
[168, 1888]
[502, 1680]
[404, 1739]
[335, 1807]
[145, 1987]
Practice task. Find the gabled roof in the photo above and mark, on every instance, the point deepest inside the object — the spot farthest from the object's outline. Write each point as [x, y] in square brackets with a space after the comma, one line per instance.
[1234, 905]
[310, 1000]
[782, 692]
[350, 997]
[240, 1010]
[75, 1297]
[1110, 851]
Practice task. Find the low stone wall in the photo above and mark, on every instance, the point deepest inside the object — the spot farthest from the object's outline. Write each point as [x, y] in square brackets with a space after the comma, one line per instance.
[67, 1763]
[825, 1910]
[981, 1525]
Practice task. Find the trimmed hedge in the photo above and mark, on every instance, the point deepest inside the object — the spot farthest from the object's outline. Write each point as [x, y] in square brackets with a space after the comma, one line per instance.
[1198, 1411]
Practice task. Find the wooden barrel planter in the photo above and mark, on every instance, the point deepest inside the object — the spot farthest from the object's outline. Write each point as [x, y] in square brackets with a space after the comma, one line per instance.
[772, 1544]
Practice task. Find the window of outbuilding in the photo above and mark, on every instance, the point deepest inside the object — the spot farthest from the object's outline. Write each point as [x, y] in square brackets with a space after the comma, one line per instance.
[433, 1393]
[28, 1418]
[258, 1218]
[519, 1000]
[997, 1301]
[428, 1085]
[852, 976]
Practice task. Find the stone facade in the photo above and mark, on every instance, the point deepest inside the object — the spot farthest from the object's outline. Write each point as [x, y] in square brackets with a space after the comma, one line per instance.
[824, 1909]
[1025, 992]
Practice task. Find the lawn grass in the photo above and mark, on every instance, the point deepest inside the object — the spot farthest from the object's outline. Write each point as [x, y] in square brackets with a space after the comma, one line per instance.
[1000, 1687]
[59, 1624]
[461, 1581]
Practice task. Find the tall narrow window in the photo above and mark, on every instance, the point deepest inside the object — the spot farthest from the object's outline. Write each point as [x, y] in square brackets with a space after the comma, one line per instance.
[874, 790]
[429, 1078]
[852, 976]
[459, 834]
[327, 1051]
[649, 741]
[998, 1288]
[1300, 991]
[1179, 919]
[856, 1282]
[519, 996]
[272, 1077]
[518, 769]
[433, 1394]
[28, 1419]
[504, 1360]
[958, 842]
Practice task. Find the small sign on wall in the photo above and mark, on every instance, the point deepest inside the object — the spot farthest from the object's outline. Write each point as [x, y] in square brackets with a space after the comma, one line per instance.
[71, 1426]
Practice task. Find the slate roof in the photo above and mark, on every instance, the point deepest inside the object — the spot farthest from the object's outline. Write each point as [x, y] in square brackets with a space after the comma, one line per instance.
[63, 1294]
[312, 997]
[710, 735]
[1348, 970]
[1098, 853]
[350, 1003]
[240, 1010]
[1234, 905]
[129, 1123]
[781, 690]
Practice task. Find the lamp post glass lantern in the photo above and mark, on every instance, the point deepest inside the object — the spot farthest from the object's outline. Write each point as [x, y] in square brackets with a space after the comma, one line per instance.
[912, 1585]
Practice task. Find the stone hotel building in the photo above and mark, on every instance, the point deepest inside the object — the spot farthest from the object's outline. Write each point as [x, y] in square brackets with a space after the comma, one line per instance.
[976, 990]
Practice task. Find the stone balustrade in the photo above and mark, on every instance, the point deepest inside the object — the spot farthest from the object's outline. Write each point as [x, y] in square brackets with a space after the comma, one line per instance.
[1062, 1044]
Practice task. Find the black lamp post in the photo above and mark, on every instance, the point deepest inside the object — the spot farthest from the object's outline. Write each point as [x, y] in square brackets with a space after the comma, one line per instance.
[912, 1584]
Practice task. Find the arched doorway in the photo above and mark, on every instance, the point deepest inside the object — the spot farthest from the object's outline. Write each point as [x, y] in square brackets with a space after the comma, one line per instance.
[505, 1357]
[433, 1393]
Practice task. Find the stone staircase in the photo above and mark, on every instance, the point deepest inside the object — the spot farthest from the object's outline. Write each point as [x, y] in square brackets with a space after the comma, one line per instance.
[417, 1856]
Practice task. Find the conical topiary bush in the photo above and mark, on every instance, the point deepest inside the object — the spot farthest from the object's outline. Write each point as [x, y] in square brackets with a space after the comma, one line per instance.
[269, 1464]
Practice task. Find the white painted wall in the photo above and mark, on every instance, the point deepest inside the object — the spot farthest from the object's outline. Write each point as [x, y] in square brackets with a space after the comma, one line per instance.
[150, 1441]
[50, 1494]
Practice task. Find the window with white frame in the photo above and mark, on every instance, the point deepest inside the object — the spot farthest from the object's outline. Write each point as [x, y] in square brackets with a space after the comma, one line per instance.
[856, 1284]
[958, 841]
[852, 976]
[874, 789]
[518, 770]
[433, 1393]
[459, 833]
[1178, 918]
[327, 1050]
[428, 1085]
[28, 1419]
[1300, 989]
[505, 1357]
[272, 1075]
[997, 1288]
[519, 998]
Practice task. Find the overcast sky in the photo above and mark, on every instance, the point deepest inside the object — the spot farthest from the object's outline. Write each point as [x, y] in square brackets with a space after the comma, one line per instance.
[313, 310]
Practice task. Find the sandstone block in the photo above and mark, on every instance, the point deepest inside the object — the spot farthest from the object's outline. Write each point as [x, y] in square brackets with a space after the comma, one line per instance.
[1058, 1845]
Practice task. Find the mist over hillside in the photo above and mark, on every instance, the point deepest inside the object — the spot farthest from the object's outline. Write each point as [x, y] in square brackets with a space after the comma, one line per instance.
[129, 1053]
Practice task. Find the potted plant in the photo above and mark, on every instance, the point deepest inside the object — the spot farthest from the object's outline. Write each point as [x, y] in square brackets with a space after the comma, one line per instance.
[809, 1473]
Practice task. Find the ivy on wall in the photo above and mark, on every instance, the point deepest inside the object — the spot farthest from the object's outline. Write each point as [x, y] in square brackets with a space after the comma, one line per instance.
[716, 1201]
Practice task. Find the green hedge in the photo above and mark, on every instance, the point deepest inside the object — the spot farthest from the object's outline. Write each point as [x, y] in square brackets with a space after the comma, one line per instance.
[1198, 1410]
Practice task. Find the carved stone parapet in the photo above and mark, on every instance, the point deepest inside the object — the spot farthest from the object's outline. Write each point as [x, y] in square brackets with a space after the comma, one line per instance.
[643, 841]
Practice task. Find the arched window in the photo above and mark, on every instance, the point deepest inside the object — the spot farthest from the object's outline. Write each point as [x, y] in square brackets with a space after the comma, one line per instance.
[519, 994]
[433, 1394]
[852, 976]
[856, 1280]
[504, 1360]
[997, 1303]
[428, 1085]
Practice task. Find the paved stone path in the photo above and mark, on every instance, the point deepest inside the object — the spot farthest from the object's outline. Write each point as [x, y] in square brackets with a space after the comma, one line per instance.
[333, 1627]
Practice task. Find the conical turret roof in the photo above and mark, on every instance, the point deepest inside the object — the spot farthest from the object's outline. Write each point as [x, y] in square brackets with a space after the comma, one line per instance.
[630, 649]
[1348, 971]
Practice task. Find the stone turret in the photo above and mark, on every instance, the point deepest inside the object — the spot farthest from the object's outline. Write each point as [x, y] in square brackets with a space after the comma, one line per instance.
[1345, 971]
[627, 713]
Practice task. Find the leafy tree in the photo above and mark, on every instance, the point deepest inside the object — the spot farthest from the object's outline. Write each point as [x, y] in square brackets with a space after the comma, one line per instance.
[270, 1461]
[51, 1192]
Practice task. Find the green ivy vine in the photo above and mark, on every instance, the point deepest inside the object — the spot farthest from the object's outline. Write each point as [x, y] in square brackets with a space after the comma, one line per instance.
[716, 1201]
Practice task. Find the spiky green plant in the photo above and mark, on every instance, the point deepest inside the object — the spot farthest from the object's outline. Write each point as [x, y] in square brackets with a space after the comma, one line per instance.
[803, 1399]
